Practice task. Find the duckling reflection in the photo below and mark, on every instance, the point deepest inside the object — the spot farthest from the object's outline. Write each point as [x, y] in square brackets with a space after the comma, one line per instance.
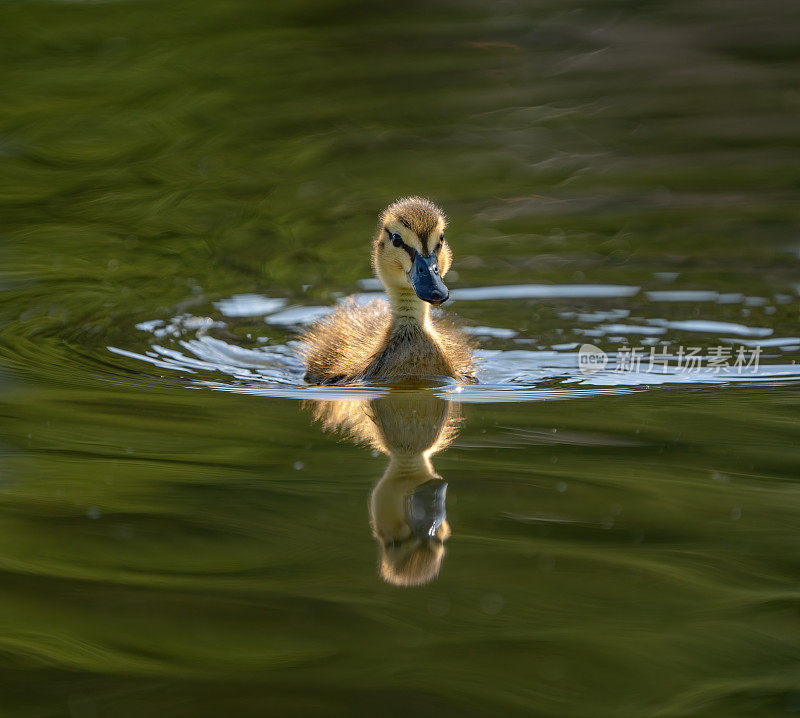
[407, 505]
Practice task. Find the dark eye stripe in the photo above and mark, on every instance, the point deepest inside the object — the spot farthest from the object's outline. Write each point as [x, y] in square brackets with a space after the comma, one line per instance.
[397, 543]
[409, 250]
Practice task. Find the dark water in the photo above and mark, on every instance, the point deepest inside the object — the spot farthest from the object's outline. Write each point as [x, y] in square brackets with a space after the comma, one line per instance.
[186, 530]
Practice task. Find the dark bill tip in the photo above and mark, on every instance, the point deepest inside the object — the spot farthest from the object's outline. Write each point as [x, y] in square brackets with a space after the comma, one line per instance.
[425, 280]
[426, 508]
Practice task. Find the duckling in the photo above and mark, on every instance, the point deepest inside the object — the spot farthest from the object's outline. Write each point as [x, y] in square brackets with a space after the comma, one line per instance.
[407, 505]
[381, 340]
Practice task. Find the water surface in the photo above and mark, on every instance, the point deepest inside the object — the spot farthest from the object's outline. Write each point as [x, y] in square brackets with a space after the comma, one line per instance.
[188, 530]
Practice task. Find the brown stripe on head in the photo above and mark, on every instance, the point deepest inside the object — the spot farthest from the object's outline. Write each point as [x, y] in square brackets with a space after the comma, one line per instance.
[418, 214]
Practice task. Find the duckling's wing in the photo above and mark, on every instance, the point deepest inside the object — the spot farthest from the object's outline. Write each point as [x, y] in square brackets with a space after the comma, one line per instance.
[339, 347]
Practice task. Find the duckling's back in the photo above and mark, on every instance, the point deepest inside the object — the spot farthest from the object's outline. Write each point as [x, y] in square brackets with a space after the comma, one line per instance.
[340, 346]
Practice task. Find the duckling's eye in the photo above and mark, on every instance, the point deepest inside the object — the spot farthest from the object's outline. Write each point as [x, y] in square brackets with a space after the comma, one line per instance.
[397, 240]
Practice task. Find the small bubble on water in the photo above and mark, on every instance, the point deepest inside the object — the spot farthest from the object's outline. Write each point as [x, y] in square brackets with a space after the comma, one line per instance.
[546, 563]
[553, 668]
[608, 522]
[411, 638]
[93, 512]
[561, 486]
[736, 513]
[662, 196]
[439, 606]
[492, 604]
[122, 532]
[298, 466]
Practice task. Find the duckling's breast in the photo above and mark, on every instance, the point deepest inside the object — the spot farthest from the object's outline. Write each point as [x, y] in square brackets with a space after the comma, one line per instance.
[411, 350]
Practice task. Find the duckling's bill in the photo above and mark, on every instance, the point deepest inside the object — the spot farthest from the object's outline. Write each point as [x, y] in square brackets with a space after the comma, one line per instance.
[426, 281]
[425, 508]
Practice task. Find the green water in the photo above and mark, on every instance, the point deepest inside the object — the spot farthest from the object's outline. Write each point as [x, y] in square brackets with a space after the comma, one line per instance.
[185, 539]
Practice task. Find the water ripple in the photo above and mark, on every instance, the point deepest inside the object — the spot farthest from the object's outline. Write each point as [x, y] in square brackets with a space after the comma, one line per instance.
[185, 345]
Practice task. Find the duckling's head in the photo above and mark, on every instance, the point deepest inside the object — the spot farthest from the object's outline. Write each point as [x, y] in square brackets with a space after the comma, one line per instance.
[411, 528]
[409, 252]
